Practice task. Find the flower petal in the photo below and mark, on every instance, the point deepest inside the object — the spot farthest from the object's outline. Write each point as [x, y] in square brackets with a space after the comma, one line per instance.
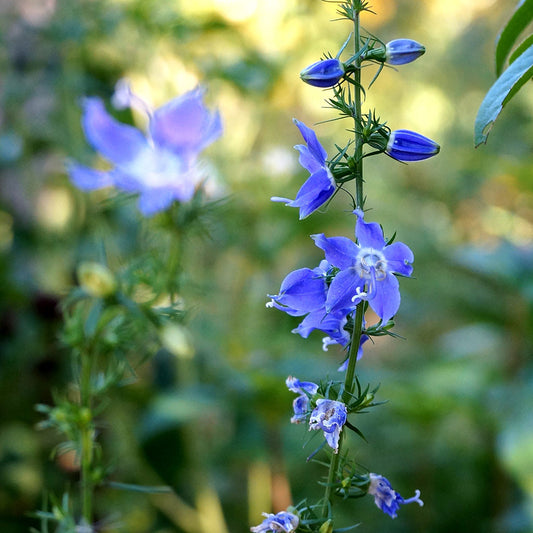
[399, 258]
[340, 252]
[117, 142]
[386, 302]
[302, 290]
[315, 148]
[342, 290]
[88, 179]
[185, 126]
[155, 200]
[369, 234]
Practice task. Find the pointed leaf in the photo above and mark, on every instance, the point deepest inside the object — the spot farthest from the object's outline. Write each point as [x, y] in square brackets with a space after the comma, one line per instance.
[510, 33]
[505, 87]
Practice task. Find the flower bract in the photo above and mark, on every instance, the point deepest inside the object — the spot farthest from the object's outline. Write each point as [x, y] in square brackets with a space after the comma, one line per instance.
[324, 73]
[406, 145]
[402, 51]
[160, 165]
[320, 185]
[276, 523]
[386, 498]
[329, 416]
[367, 269]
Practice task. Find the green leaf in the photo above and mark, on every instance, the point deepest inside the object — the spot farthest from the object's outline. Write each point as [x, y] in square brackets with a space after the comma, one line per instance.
[521, 48]
[505, 87]
[140, 488]
[510, 33]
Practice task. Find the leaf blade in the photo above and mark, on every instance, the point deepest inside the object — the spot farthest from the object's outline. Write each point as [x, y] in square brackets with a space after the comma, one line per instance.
[501, 92]
[520, 19]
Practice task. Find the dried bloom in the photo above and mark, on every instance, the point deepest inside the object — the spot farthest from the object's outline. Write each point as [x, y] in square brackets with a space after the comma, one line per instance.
[329, 416]
[283, 522]
[386, 498]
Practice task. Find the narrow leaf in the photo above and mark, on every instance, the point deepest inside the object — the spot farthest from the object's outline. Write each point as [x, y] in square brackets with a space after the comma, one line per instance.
[505, 87]
[139, 488]
[510, 33]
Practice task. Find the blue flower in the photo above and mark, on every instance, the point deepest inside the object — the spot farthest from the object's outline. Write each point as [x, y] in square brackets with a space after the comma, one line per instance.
[386, 498]
[281, 522]
[406, 145]
[320, 185]
[402, 51]
[366, 269]
[304, 292]
[161, 165]
[304, 389]
[329, 416]
[324, 73]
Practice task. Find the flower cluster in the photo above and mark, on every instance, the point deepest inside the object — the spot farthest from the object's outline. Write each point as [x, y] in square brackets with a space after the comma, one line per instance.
[352, 272]
[355, 274]
[159, 166]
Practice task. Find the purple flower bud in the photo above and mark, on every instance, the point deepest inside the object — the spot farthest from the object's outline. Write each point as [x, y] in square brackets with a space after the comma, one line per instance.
[406, 145]
[324, 73]
[402, 51]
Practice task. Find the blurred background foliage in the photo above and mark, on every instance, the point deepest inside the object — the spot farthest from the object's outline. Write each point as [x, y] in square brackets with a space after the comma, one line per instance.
[458, 424]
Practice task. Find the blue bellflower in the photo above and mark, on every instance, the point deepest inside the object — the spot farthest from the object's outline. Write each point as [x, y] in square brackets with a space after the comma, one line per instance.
[406, 145]
[402, 51]
[366, 269]
[300, 405]
[304, 292]
[324, 73]
[386, 498]
[329, 416]
[161, 165]
[320, 185]
[283, 522]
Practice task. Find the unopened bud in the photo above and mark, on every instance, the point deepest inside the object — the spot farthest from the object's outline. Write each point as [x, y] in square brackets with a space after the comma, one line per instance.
[177, 340]
[96, 279]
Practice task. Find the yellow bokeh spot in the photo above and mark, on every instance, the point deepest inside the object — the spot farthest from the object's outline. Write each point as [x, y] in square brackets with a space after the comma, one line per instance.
[54, 208]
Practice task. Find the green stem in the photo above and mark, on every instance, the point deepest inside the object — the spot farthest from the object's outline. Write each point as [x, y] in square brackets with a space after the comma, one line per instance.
[349, 381]
[86, 437]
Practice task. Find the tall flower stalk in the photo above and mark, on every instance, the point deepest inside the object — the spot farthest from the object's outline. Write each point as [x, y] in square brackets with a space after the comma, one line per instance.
[354, 275]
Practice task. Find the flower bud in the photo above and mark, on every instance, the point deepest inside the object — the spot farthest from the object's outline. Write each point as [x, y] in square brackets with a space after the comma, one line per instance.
[96, 279]
[324, 73]
[402, 51]
[177, 340]
[406, 145]
[326, 527]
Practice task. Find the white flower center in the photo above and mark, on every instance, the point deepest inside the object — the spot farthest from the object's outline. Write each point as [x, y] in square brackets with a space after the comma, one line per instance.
[369, 259]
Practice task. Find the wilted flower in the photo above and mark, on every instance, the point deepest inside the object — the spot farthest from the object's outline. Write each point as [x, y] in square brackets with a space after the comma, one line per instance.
[402, 51]
[324, 73]
[366, 269]
[320, 185]
[329, 416]
[276, 523]
[406, 145]
[161, 165]
[304, 389]
[386, 498]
